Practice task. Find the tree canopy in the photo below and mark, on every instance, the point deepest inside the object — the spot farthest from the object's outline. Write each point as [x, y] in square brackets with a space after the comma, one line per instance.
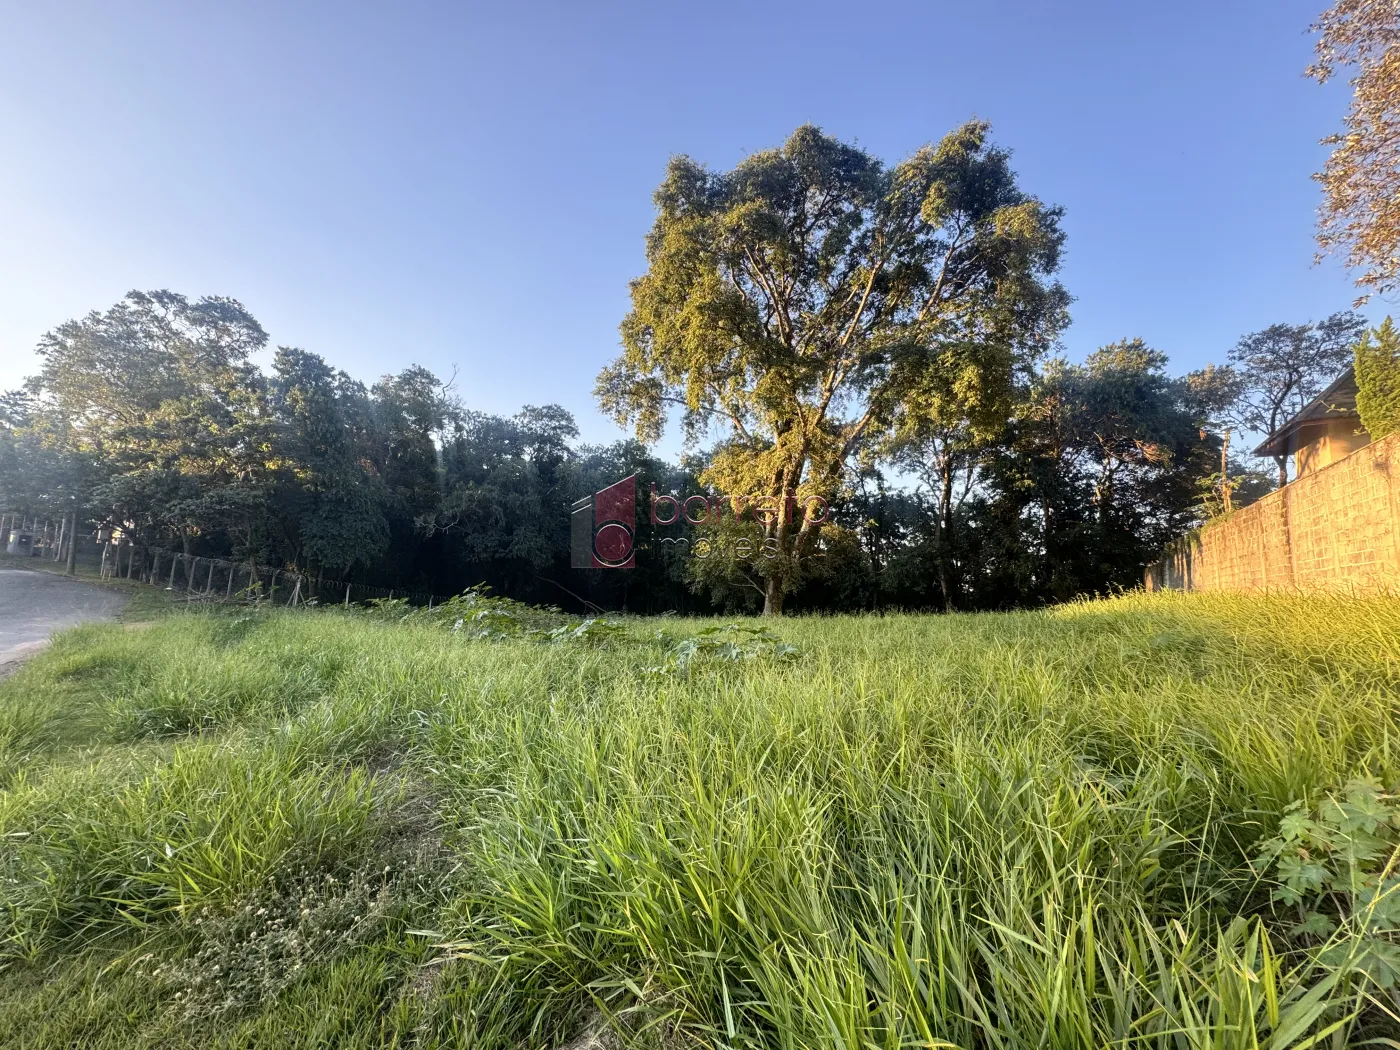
[1378, 379]
[984, 478]
[1360, 212]
[812, 299]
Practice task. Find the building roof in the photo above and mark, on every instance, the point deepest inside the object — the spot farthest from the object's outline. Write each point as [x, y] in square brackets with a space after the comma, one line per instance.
[1338, 401]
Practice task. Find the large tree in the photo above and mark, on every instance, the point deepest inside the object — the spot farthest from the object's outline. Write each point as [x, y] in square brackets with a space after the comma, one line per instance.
[329, 507]
[1361, 180]
[803, 300]
[1100, 466]
[502, 501]
[160, 389]
[1139, 434]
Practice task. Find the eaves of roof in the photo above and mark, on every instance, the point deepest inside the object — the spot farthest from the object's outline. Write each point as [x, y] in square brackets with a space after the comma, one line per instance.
[1338, 401]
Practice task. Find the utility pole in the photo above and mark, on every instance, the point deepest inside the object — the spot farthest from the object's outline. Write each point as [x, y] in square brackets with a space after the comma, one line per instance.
[1225, 471]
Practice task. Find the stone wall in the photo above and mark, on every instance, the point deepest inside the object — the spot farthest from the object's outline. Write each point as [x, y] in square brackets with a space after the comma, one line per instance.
[1337, 528]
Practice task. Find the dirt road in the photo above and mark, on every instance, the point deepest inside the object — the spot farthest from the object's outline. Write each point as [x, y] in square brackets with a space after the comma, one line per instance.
[35, 604]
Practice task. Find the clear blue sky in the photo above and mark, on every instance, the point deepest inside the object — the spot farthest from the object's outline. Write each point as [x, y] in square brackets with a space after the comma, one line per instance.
[468, 185]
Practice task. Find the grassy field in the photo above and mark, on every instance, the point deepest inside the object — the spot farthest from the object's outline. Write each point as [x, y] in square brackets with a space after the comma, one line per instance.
[1154, 821]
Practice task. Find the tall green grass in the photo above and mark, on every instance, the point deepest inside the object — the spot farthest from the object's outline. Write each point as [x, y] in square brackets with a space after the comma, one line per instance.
[1002, 831]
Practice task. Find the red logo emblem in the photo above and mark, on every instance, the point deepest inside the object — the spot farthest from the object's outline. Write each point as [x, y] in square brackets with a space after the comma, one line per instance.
[603, 528]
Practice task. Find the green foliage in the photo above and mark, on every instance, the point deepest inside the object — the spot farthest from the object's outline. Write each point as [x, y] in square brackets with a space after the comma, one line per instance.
[161, 390]
[1377, 362]
[40, 473]
[151, 417]
[478, 615]
[1097, 471]
[1339, 865]
[1246, 486]
[812, 300]
[1016, 830]
[330, 509]
[1129, 421]
[203, 828]
[715, 646]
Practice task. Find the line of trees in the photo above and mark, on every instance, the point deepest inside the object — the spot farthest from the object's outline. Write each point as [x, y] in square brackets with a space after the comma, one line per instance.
[825, 318]
[150, 417]
[826, 325]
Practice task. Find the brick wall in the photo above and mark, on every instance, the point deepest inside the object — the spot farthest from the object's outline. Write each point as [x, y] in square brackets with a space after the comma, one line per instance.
[1337, 528]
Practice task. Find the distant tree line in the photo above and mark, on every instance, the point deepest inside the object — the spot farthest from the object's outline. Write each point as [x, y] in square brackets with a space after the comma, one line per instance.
[152, 418]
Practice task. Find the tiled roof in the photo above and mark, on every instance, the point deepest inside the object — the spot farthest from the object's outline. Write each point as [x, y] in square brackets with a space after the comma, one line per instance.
[1338, 401]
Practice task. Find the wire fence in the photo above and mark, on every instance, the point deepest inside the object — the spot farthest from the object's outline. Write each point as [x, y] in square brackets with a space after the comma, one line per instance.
[193, 577]
[200, 578]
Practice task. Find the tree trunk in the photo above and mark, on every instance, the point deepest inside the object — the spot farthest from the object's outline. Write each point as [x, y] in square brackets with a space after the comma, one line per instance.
[945, 530]
[1046, 531]
[779, 529]
[773, 596]
[72, 567]
[1282, 462]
